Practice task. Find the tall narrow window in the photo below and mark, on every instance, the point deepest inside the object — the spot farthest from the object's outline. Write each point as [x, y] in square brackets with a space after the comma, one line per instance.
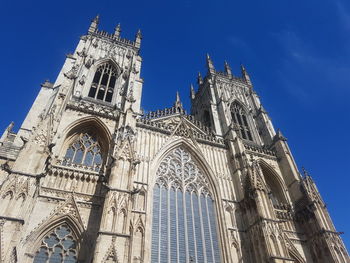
[184, 219]
[84, 152]
[58, 246]
[102, 86]
[240, 119]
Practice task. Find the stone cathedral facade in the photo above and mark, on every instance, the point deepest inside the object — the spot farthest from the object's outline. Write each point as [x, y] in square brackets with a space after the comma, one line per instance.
[89, 177]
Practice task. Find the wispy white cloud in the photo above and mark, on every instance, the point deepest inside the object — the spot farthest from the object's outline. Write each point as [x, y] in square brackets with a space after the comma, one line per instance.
[344, 15]
[308, 76]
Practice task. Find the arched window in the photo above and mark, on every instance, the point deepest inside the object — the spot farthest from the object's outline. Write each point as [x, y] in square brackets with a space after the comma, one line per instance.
[274, 186]
[102, 86]
[84, 152]
[58, 246]
[184, 219]
[240, 119]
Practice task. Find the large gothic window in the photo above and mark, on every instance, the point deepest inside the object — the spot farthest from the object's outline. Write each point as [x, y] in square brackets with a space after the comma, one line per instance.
[102, 86]
[58, 246]
[184, 219]
[240, 119]
[84, 152]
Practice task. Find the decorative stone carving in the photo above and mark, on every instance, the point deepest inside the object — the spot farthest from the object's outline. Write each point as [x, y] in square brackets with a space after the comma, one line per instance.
[82, 53]
[89, 62]
[126, 133]
[72, 73]
[178, 169]
[111, 255]
[82, 80]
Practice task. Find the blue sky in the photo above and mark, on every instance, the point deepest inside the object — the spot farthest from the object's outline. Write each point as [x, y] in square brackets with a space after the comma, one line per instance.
[297, 53]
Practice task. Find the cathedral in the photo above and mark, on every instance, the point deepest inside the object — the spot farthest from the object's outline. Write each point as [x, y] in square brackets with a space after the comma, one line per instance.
[90, 177]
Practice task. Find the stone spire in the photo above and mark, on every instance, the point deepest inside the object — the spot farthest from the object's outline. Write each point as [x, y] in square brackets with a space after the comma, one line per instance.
[117, 31]
[94, 24]
[245, 75]
[178, 103]
[228, 69]
[210, 64]
[199, 79]
[192, 92]
[138, 38]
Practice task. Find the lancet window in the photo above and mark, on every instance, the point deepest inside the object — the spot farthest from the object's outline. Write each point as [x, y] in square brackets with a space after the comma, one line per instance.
[59, 246]
[239, 118]
[184, 219]
[103, 83]
[84, 152]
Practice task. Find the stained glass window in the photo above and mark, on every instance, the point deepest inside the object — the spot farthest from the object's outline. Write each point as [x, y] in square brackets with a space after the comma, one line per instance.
[85, 151]
[240, 119]
[102, 86]
[184, 221]
[59, 246]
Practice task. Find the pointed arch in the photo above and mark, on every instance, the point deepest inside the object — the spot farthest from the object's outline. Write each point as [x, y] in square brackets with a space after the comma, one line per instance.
[139, 224]
[59, 238]
[139, 200]
[66, 214]
[87, 124]
[274, 182]
[103, 80]
[196, 203]
[112, 254]
[49, 225]
[107, 60]
[86, 143]
[241, 119]
[240, 103]
[294, 254]
[22, 195]
[196, 155]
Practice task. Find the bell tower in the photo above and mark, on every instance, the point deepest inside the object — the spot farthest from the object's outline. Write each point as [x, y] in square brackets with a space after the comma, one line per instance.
[72, 160]
[270, 193]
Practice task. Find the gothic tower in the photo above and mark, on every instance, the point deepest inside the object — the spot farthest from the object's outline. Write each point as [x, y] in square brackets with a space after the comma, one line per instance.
[89, 177]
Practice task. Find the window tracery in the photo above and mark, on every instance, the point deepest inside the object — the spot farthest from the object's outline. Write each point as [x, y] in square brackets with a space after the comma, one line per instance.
[240, 119]
[184, 219]
[59, 246]
[84, 152]
[103, 83]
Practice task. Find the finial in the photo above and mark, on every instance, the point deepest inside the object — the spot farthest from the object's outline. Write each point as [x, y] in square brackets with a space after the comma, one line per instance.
[228, 69]
[210, 65]
[199, 78]
[97, 19]
[94, 24]
[138, 38]
[10, 127]
[138, 34]
[305, 173]
[245, 75]
[192, 92]
[117, 31]
[178, 103]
